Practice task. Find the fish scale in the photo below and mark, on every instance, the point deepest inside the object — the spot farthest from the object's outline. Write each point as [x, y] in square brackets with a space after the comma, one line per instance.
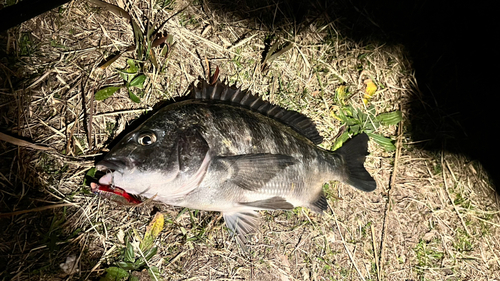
[227, 150]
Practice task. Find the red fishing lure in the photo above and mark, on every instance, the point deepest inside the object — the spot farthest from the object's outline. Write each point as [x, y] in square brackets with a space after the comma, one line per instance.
[114, 193]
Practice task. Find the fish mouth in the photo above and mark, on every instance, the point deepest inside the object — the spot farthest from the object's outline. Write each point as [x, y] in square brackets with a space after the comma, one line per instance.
[111, 166]
[117, 165]
[106, 187]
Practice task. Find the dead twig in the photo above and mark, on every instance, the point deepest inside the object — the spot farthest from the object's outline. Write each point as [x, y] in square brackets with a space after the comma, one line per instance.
[387, 206]
[377, 261]
[39, 209]
[23, 143]
[345, 245]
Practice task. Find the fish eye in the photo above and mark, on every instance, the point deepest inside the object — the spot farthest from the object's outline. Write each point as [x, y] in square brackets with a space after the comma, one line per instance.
[146, 138]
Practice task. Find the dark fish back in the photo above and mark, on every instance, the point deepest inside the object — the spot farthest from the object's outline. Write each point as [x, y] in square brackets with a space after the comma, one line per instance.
[234, 130]
[220, 92]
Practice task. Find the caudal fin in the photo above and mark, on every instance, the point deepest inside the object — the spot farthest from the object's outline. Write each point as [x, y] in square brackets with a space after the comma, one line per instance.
[354, 153]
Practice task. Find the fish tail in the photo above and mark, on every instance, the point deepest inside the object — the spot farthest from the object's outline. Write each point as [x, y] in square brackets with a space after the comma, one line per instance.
[353, 154]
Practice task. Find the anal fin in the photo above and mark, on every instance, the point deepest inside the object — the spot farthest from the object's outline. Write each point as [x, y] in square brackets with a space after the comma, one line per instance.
[242, 225]
[319, 204]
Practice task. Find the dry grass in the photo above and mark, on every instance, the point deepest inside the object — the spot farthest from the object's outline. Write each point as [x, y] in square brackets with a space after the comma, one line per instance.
[433, 217]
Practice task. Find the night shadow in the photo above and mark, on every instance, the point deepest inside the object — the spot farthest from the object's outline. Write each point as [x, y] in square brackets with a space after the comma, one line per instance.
[34, 233]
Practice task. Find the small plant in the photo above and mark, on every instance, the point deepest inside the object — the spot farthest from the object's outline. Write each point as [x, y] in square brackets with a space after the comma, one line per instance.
[463, 242]
[427, 256]
[363, 120]
[144, 42]
[132, 80]
[26, 45]
[137, 255]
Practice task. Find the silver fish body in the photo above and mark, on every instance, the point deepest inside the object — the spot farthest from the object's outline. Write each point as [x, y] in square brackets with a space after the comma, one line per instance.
[227, 150]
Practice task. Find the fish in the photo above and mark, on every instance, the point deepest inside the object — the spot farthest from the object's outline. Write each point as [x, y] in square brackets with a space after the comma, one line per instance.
[225, 149]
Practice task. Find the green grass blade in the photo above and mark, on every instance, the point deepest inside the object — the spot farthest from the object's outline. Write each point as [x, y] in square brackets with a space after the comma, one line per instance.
[390, 118]
[133, 97]
[384, 142]
[129, 253]
[105, 93]
[127, 265]
[138, 81]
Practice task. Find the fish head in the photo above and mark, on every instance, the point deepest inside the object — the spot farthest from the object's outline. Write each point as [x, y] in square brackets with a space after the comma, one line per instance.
[160, 158]
[143, 162]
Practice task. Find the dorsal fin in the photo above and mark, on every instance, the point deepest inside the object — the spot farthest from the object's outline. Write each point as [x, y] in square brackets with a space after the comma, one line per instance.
[220, 91]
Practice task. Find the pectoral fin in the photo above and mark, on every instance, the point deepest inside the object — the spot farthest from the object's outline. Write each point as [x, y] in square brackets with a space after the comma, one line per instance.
[253, 171]
[274, 203]
[243, 225]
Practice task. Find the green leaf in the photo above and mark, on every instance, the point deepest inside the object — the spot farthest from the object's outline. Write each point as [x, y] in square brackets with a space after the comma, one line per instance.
[147, 256]
[133, 97]
[355, 113]
[125, 75]
[132, 68]
[150, 253]
[89, 174]
[138, 81]
[127, 265]
[351, 121]
[348, 110]
[384, 142]
[105, 93]
[369, 126]
[167, 49]
[115, 274]
[390, 118]
[340, 140]
[129, 255]
[154, 273]
[355, 129]
[128, 73]
[139, 38]
[152, 231]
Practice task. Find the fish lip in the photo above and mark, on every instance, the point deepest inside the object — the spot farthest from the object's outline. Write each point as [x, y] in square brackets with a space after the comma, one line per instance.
[117, 165]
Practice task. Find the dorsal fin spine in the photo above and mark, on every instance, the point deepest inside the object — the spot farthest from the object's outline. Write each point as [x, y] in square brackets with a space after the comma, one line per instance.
[204, 91]
[273, 110]
[256, 101]
[263, 108]
[244, 99]
[224, 95]
[280, 113]
[236, 96]
[214, 90]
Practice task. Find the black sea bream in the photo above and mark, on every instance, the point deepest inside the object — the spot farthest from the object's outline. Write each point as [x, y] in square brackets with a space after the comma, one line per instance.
[229, 151]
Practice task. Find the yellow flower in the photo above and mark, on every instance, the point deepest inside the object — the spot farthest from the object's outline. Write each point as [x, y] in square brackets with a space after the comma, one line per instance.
[370, 90]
